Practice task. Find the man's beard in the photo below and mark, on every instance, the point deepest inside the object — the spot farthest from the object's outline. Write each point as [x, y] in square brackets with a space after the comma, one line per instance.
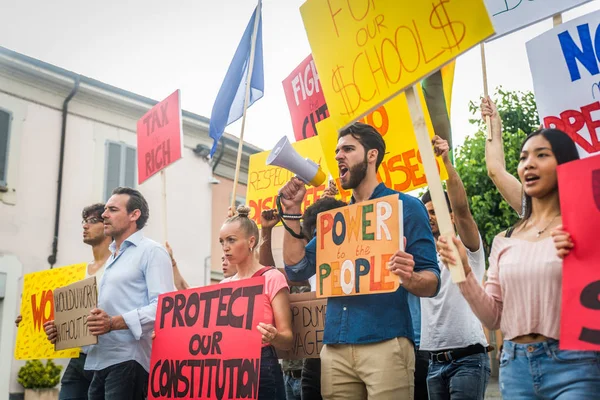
[94, 241]
[357, 173]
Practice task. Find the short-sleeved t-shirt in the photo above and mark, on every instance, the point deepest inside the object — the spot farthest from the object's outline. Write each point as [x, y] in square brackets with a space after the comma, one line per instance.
[274, 283]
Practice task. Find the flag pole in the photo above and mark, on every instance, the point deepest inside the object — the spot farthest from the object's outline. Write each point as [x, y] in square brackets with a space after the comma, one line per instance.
[246, 101]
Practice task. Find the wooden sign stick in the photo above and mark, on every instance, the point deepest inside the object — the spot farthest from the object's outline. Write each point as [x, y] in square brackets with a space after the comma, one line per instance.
[486, 93]
[163, 178]
[433, 180]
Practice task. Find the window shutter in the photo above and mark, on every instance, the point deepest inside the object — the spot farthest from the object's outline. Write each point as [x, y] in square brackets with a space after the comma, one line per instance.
[113, 168]
[5, 118]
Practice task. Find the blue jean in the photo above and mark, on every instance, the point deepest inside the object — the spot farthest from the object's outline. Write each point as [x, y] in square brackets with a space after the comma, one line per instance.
[75, 382]
[270, 385]
[462, 379]
[124, 381]
[542, 371]
[293, 387]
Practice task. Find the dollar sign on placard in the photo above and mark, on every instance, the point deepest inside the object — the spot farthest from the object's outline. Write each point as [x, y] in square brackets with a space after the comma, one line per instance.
[342, 89]
[454, 31]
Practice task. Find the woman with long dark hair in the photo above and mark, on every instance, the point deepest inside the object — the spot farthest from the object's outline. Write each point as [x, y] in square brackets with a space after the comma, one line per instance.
[522, 295]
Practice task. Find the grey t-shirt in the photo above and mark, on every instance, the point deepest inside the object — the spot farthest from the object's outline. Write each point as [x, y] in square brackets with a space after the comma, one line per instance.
[447, 321]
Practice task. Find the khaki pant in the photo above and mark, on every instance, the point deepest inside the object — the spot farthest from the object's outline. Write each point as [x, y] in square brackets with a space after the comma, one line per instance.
[378, 371]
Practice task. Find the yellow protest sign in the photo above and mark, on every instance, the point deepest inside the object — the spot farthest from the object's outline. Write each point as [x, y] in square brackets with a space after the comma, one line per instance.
[37, 307]
[264, 181]
[401, 169]
[354, 245]
[367, 51]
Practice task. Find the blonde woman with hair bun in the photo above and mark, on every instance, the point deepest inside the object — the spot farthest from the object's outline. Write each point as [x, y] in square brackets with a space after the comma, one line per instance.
[239, 239]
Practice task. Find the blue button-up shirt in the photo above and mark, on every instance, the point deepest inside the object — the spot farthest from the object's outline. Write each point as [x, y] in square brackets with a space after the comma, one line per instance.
[376, 317]
[132, 281]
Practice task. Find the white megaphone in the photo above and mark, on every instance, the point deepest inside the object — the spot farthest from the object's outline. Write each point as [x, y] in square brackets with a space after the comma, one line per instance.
[283, 155]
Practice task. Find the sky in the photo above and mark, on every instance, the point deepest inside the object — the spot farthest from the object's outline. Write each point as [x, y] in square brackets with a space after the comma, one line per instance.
[153, 47]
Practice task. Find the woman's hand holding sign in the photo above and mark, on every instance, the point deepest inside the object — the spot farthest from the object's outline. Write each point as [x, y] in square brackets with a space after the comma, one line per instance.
[562, 241]
[446, 253]
[268, 331]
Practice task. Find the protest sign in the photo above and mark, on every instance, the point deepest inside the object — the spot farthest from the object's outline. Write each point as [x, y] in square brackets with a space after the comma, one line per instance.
[207, 345]
[379, 51]
[159, 137]
[579, 191]
[37, 307]
[305, 99]
[308, 325]
[402, 166]
[566, 75]
[264, 181]
[72, 305]
[354, 244]
[511, 15]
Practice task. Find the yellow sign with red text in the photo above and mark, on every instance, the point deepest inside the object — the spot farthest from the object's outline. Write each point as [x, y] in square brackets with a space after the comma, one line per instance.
[264, 181]
[368, 51]
[401, 169]
[37, 307]
[354, 245]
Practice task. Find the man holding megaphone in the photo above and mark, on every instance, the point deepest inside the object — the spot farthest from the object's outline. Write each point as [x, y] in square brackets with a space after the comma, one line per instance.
[368, 351]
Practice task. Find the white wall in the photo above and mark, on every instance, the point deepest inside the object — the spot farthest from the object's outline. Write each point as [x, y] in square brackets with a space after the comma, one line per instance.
[27, 222]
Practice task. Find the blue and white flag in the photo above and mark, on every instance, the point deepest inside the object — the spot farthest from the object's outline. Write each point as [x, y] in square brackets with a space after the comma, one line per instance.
[229, 105]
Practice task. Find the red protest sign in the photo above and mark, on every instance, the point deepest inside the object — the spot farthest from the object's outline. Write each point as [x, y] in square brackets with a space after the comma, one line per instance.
[579, 183]
[159, 137]
[207, 345]
[305, 99]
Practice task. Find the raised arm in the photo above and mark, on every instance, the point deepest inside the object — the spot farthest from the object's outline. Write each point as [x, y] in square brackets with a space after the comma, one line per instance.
[508, 186]
[486, 303]
[180, 283]
[463, 219]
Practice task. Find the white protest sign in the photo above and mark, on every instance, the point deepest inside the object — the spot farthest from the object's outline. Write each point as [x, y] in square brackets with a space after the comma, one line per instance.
[511, 15]
[566, 79]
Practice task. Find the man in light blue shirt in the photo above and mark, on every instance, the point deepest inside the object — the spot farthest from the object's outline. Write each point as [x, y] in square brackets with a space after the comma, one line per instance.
[136, 273]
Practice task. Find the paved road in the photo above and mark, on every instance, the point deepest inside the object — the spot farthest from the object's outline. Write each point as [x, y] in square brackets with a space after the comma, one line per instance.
[493, 390]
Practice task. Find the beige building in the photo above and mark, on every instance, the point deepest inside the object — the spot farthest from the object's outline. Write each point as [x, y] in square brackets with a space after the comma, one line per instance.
[43, 106]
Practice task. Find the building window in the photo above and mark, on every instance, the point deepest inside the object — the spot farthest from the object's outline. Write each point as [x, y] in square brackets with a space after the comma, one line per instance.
[239, 200]
[121, 167]
[5, 119]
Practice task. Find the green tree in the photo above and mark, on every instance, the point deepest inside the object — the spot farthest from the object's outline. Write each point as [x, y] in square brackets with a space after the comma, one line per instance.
[519, 115]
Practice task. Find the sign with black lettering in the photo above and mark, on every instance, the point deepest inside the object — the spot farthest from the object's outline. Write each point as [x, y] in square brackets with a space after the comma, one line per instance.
[159, 137]
[308, 325]
[579, 190]
[72, 305]
[207, 345]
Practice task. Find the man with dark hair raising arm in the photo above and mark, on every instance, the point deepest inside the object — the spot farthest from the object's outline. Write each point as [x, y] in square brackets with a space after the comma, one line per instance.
[451, 335]
[369, 349]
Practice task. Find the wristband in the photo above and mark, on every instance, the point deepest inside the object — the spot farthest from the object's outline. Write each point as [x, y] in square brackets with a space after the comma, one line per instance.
[292, 216]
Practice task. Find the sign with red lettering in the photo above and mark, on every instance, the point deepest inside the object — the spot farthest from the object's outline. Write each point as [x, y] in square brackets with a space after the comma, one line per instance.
[305, 99]
[37, 307]
[354, 245]
[566, 79]
[159, 137]
[579, 190]
[207, 345]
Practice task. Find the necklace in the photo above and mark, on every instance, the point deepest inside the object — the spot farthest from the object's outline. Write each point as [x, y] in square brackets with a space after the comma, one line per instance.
[539, 232]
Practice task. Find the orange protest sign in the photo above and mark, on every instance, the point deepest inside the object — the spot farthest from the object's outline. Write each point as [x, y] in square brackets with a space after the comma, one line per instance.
[37, 307]
[264, 181]
[354, 245]
[402, 168]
